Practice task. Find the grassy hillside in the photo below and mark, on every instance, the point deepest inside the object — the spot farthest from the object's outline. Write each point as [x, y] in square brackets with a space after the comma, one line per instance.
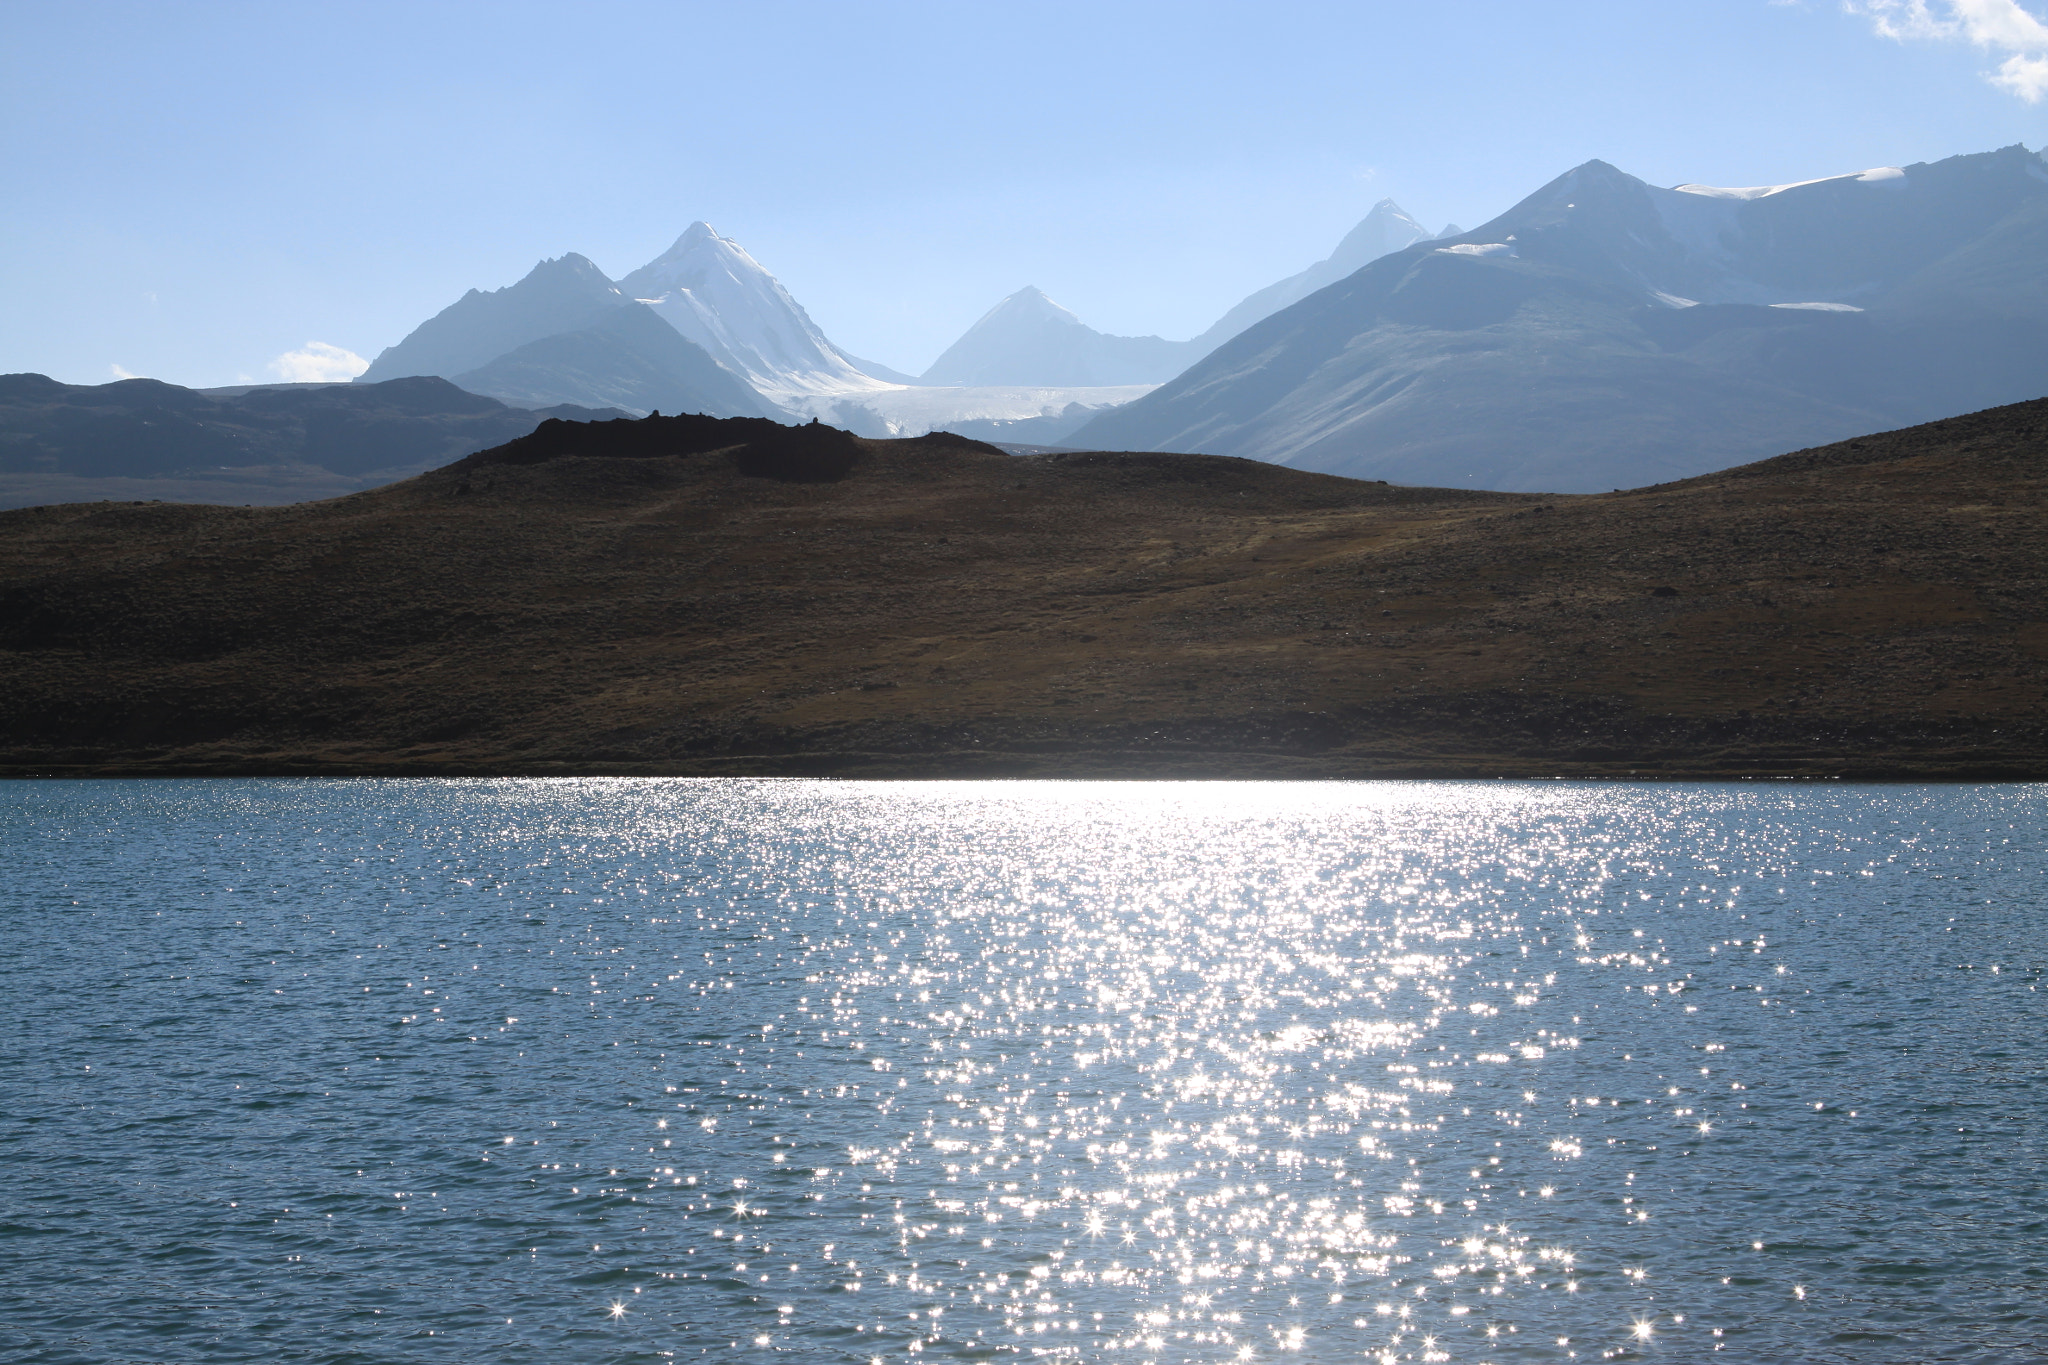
[583, 602]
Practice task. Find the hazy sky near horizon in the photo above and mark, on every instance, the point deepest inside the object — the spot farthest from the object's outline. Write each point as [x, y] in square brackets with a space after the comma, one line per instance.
[194, 190]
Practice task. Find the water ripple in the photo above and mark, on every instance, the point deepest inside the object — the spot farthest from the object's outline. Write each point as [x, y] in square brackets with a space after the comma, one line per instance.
[656, 1070]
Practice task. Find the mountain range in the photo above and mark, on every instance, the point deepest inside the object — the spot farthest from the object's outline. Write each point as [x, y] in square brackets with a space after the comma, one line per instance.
[1605, 332]
[1029, 339]
[569, 333]
[141, 438]
[565, 332]
[702, 328]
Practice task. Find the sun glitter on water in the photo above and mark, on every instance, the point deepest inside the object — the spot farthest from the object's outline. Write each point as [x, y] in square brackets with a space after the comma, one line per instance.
[1148, 1072]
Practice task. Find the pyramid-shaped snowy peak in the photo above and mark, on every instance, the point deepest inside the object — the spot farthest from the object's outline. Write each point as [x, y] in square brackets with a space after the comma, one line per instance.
[709, 289]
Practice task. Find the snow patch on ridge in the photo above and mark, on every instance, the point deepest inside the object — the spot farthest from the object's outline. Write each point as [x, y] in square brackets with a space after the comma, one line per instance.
[1876, 175]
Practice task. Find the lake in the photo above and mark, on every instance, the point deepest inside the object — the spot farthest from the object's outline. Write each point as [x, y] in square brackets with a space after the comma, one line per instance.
[657, 1070]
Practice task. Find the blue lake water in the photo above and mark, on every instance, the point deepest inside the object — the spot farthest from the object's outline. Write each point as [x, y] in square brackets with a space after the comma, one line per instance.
[566, 1071]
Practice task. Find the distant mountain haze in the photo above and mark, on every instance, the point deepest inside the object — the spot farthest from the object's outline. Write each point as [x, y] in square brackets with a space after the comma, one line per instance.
[629, 358]
[1602, 333]
[1607, 333]
[141, 438]
[1029, 339]
[1385, 230]
[565, 294]
[568, 333]
[736, 341]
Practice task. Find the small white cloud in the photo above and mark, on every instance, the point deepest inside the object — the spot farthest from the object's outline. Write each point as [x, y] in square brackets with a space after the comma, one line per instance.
[2000, 25]
[2026, 77]
[121, 373]
[318, 363]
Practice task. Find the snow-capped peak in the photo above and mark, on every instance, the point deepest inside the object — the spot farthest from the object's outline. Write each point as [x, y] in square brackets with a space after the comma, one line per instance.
[1029, 303]
[700, 248]
[712, 291]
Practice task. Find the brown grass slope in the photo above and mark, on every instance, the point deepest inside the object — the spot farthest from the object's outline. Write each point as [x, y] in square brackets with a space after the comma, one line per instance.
[933, 607]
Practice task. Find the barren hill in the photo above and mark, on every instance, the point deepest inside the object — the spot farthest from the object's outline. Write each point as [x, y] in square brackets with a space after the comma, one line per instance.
[683, 595]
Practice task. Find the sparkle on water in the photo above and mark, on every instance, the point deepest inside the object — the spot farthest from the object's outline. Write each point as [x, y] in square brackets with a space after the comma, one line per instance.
[663, 1070]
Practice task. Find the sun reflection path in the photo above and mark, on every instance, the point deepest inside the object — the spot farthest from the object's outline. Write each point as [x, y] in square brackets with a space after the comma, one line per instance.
[1156, 1075]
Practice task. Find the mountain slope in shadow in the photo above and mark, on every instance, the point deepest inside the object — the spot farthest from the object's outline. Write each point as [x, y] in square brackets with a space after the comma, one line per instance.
[1605, 333]
[628, 359]
[565, 294]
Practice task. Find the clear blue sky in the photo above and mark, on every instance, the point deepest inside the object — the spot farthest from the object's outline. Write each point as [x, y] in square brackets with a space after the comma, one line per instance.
[194, 188]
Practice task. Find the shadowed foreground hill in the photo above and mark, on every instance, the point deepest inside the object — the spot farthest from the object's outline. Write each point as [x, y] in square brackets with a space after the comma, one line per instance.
[684, 595]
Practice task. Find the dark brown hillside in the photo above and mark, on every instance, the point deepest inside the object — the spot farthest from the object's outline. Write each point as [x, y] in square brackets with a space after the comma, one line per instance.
[663, 598]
